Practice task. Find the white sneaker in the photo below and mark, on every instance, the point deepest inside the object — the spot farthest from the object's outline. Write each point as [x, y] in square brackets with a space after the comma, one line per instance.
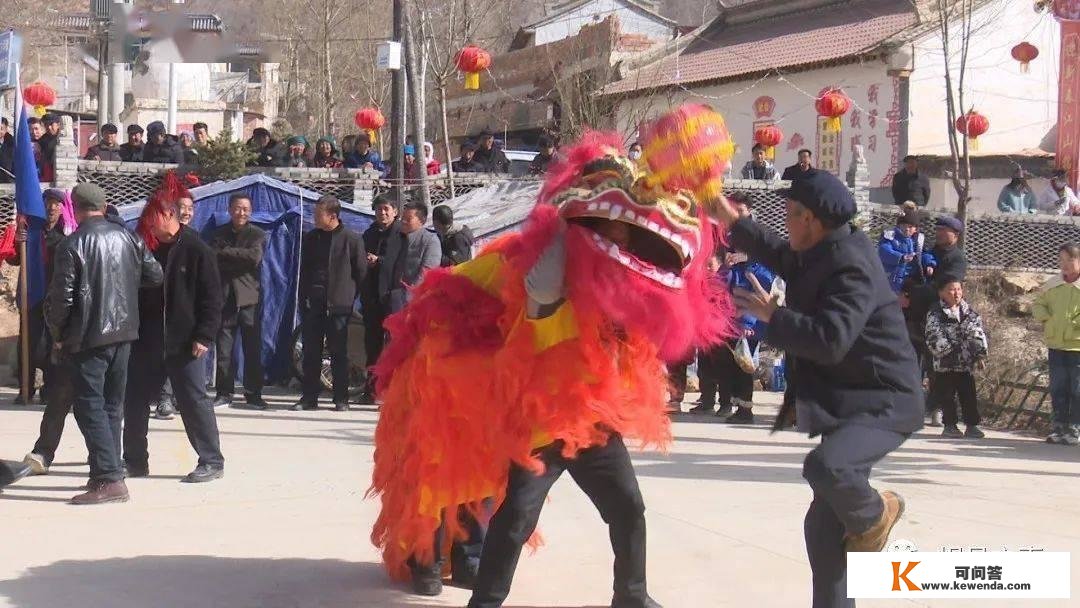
[935, 418]
[36, 463]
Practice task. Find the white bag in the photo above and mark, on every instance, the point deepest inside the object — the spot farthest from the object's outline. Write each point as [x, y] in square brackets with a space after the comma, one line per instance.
[746, 357]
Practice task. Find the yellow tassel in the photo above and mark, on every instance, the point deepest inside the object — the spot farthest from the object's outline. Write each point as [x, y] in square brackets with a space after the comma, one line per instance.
[973, 144]
[832, 125]
[770, 152]
[39, 111]
[1025, 68]
[472, 81]
[372, 135]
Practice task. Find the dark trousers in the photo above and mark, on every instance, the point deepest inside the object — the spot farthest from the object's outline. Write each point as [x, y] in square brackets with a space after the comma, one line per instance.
[950, 386]
[607, 477]
[321, 325]
[100, 376]
[59, 398]
[838, 471]
[463, 553]
[39, 349]
[1065, 386]
[374, 335]
[148, 370]
[677, 377]
[247, 320]
[721, 378]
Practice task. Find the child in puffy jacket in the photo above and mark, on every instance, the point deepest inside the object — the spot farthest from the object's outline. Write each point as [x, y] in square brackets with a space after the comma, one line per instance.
[1058, 309]
[902, 250]
[957, 344]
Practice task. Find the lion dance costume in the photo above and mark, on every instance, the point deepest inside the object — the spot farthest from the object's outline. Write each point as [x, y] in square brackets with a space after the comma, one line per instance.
[481, 385]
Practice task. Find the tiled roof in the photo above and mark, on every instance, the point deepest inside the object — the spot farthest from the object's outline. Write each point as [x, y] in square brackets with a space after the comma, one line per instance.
[796, 39]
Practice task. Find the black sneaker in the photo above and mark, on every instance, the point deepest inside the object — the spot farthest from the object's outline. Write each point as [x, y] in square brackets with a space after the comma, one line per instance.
[951, 432]
[304, 405]
[1055, 436]
[366, 398]
[204, 473]
[427, 582]
[743, 415]
[724, 410]
[136, 470]
[257, 403]
[223, 401]
[974, 432]
[702, 409]
[165, 411]
[341, 406]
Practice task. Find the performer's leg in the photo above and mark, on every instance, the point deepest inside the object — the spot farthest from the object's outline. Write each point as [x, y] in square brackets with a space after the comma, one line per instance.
[607, 476]
[465, 554]
[838, 470]
[147, 375]
[828, 559]
[511, 526]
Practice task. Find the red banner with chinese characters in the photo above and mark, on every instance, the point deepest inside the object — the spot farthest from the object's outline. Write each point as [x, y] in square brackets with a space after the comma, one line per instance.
[1068, 144]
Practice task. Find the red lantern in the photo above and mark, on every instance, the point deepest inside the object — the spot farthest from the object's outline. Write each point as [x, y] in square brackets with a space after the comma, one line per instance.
[40, 95]
[832, 105]
[472, 60]
[370, 120]
[769, 136]
[1025, 53]
[973, 125]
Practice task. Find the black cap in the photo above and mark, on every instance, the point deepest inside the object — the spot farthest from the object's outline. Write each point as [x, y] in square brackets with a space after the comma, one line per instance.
[485, 133]
[260, 132]
[110, 128]
[155, 128]
[50, 119]
[824, 195]
[133, 129]
[468, 146]
[910, 217]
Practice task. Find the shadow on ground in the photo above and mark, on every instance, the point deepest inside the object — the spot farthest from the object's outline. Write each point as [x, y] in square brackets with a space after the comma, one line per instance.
[200, 580]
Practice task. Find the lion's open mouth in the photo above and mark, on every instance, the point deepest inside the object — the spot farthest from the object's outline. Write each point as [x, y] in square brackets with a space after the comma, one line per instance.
[648, 246]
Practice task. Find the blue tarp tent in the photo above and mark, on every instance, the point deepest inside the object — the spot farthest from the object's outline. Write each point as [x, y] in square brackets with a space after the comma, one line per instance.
[284, 211]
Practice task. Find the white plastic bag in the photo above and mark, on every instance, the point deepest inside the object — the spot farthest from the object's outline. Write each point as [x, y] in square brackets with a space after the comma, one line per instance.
[746, 357]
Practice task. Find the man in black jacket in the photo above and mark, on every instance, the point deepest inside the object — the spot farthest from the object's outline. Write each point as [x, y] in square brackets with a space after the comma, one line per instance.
[92, 319]
[180, 321]
[490, 158]
[268, 152]
[911, 185]
[107, 148]
[386, 225]
[239, 246]
[333, 264]
[160, 146]
[801, 168]
[853, 370]
[466, 162]
[456, 241]
[950, 258]
[132, 151]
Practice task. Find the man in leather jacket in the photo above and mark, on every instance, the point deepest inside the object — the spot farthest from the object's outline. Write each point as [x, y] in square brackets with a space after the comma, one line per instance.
[92, 316]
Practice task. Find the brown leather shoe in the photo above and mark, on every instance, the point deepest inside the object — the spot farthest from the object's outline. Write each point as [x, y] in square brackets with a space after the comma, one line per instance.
[875, 539]
[101, 492]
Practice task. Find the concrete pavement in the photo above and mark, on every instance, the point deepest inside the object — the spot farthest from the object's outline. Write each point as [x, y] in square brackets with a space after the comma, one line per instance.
[288, 525]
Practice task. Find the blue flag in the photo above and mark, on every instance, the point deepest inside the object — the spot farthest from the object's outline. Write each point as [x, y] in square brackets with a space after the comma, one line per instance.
[30, 205]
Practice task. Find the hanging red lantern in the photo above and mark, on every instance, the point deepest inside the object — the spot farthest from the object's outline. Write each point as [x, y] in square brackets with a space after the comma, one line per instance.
[370, 120]
[472, 60]
[40, 95]
[1025, 53]
[769, 136]
[833, 104]
[972, 125]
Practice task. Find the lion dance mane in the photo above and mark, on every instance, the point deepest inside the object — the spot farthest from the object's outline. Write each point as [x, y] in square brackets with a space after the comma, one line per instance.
[470, 385]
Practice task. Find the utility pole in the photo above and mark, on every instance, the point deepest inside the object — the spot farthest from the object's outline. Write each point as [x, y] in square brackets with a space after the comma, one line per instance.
[117, 62]
[397, 109]
[416, 102]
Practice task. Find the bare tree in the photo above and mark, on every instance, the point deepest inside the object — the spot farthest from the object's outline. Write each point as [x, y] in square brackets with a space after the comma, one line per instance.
[955, 28]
